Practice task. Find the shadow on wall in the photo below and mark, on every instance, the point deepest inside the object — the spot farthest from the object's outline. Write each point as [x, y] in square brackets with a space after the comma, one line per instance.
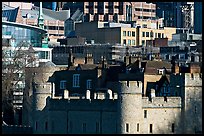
[190, 119]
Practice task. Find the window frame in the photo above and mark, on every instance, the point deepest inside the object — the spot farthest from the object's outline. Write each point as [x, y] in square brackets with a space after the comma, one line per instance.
[63, 84]
[88, 84]
[76, 80]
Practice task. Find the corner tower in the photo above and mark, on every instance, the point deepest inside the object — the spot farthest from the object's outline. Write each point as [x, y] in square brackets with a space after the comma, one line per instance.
[129, 106]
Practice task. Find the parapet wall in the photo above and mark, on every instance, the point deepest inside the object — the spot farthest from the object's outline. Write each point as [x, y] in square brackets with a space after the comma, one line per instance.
[194, 79]
[161, 102]
[82, 104]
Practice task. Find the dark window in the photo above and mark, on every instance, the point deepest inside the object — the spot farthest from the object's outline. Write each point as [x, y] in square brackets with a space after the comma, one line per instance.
[159, 35]
[143, 34]
[124, 41]
[127, 127]
[172, 127]
[150, 128]
[46, 126]
[145, 113]
[36, 125]
[133, 33]
[147, 34]
[138, 127]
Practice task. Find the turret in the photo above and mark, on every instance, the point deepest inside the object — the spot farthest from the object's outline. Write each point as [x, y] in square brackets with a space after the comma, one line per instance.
[129, 106]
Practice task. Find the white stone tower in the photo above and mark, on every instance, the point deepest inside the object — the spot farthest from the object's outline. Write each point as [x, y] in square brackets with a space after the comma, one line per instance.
[129, 107]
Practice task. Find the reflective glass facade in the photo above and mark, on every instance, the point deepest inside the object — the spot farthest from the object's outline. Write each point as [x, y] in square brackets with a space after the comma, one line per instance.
[22, 33]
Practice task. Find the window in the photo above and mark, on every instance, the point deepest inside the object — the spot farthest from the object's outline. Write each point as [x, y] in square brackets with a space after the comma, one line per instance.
[124, 41]
[124, 33]
[129, 33]
[133, 42]
[89, 84]
[172, 127]
[159, 35]
[84, 127]
[151, 34]
[127, 127]
[143, 34]
[63, 84]
[144, 25]
[138, 125]
[145, 113]
[162, 35]
[143, 42]
[147, 34]
[46, 126]
[150, 128]
[36, 125]
[129, 42]
[76, 80]
[155, 35]
[133, 34]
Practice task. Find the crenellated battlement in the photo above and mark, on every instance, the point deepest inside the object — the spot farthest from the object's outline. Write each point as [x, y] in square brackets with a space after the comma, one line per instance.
[131, 86]
[193, 79]
[161, 102]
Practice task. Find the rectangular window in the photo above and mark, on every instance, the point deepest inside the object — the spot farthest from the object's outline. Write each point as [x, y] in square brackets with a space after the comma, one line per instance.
[172, 127]
[159, 35]
[133, 42]
[143, 42]
[133, 34]
[46, 125]
[63, 84]
[162, 35]
[147, 34]
[150, 128]
[124, 33]
[145, 113]
[129, 42]
[143, 34]
[76, 80]
[36, 125]
[129, 33]
[155, 35]
[127, 127]
[144, 25]
[84, 127]
[138, 127]
[89, 84]
[124, 41]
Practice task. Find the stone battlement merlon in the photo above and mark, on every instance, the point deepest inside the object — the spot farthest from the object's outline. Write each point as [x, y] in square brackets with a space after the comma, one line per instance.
[194, 79]
[161, 102]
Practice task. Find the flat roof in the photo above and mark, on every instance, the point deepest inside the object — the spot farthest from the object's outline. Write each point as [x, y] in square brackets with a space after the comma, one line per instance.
[24, 26]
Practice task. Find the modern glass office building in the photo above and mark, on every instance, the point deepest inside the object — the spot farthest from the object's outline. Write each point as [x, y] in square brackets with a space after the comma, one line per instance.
[27, 33]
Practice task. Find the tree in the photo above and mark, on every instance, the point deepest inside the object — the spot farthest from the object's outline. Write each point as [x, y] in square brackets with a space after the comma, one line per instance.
[14, 61]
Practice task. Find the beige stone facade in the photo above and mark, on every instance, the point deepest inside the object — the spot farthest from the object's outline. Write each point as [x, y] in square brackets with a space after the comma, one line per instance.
[127, 35]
